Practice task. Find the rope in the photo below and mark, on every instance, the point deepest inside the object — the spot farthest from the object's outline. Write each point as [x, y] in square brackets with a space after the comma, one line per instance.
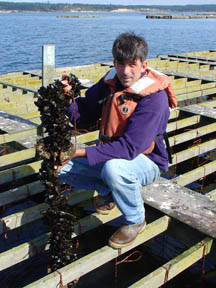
[175, 167]
[125, 260]
[203, 261]
[60, 285]
[203, 180]
[28, 194]
[4, 151]
[13, 175]
[5, 235]
[166, 277]
[80, 228]
[75, 127]
[35, 250]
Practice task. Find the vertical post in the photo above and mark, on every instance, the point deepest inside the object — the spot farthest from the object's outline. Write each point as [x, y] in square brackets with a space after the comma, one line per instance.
[48, 64]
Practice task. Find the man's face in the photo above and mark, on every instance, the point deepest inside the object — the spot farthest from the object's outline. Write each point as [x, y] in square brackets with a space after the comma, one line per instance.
[129, 71]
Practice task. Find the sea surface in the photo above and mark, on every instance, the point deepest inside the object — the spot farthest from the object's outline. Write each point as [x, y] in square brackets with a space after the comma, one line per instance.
[81, 41]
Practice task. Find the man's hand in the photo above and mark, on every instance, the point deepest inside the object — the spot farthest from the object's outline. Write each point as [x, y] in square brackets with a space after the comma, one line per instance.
[78, 153]
[67, 87]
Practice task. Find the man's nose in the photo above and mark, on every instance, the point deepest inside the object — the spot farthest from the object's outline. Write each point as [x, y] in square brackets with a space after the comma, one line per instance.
[126, 69]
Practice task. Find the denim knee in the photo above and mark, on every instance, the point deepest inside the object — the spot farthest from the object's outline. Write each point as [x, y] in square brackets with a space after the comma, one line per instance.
[109, 172]
[115, 174]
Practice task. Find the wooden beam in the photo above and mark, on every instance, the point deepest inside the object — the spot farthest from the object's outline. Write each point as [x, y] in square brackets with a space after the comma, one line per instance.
[29, 215]
[19, 156]
[210, 103]
[16, 173]
[200, 110]
[23, 251]
[195, 174]
[18, 254]
[20, 193]
[6, 84]
[192, 134]
[173, 126]
[185, 205]
[9, 137]
[175, 266]
[193, 152]
[28, 154]
[99, 257]
[212, 194]
[196, 94]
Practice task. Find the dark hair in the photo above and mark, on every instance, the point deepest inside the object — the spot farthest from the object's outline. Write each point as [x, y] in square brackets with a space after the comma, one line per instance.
[129, 46]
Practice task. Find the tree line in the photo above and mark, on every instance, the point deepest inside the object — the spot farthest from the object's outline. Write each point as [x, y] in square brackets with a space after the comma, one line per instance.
[47, 7]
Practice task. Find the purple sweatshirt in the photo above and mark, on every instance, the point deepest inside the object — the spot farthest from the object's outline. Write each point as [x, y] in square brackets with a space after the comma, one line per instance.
[148, 120]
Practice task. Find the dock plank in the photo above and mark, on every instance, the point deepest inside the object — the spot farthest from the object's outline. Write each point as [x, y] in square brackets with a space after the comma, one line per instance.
[175, 266]
[185, 205]
[11, 123]
[99, 257]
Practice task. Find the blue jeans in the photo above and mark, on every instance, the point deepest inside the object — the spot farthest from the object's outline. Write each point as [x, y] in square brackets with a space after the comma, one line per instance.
[122, 177]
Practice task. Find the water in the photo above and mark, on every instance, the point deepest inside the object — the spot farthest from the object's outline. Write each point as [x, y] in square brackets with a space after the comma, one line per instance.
[81, 41]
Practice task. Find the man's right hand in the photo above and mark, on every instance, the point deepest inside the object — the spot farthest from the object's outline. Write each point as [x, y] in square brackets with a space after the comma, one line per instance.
[67, 87]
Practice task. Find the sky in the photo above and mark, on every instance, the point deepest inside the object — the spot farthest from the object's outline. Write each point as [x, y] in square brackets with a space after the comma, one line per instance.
[124, 2]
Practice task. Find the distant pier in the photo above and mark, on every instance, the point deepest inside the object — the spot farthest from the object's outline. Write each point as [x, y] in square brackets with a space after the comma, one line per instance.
[180, 16]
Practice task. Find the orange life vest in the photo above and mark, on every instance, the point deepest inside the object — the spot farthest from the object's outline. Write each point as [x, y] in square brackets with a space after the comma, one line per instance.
[119, 106]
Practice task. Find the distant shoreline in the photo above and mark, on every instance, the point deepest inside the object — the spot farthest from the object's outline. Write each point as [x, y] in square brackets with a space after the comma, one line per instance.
[69, 11]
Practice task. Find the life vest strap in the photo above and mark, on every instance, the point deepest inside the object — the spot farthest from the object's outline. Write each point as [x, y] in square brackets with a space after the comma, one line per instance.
[131, 97]
[168, 147]
[106, 139]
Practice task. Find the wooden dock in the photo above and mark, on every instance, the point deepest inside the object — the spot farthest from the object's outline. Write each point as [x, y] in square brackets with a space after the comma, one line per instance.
[192, 16]
[173, 206]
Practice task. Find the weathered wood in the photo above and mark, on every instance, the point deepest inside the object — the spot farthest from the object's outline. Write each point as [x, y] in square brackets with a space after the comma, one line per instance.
[20, 193]
[210, 103]
[196, 94]
[28, 115]
[23, 251]
[189, 59]
[201, 110]
[174, 114]
[173, 126]
[189, 89]
[212, 194]
[6, 84]
[99, 257]
[193, 152]
[187, 75]
[48, 68]
[175, 266]
[189, 207]
[21, 109]
[18, 254]
[16, 173]
[192, 134]
[12, 123]
[17, 157]
[30, 153]
[195, 174]
[34, 213]
[14, 136]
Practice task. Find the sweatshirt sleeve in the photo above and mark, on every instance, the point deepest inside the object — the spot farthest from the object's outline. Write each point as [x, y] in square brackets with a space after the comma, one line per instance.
[148, 120]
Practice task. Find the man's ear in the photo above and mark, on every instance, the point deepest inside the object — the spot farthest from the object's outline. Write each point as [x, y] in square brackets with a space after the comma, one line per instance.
[114, 63]
[144, 66]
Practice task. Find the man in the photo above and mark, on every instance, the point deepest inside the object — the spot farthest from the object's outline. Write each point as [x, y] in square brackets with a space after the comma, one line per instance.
[133, 104]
